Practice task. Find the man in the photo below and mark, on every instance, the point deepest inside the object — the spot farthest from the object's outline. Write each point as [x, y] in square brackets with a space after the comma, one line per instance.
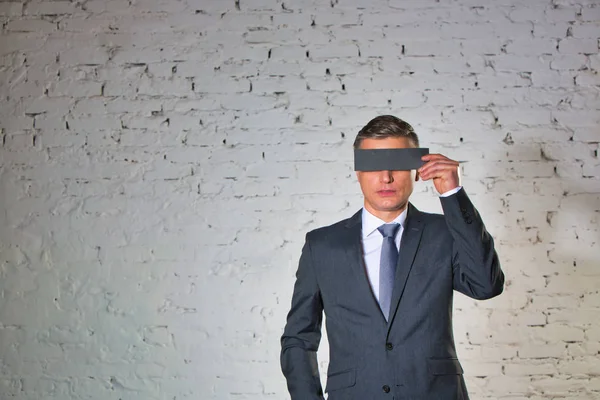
[385, 279]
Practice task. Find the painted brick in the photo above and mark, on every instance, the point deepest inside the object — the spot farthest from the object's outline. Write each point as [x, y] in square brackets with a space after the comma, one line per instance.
[586, 31]
[11, 9]
[51, 8]
[562, 14]
[590, 13]
[289, 53]
[528, 369]
[530, 47]
[557, 31]
[430, 48]
[271, 85]
[162, 160]
[341, 50]
[586, 78]
[568, 62]
[476, 46]
[578, 46]
[31, 25]
[542, 351]
[553, 79]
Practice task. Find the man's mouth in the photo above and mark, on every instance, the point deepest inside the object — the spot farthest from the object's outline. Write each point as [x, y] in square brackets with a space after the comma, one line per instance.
[386, 192]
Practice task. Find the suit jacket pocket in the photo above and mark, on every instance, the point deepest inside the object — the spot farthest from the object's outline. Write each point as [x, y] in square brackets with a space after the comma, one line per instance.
[340, 380]
[445, 366]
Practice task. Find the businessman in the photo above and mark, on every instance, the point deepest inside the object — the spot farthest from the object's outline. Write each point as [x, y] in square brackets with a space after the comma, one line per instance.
[385, 279]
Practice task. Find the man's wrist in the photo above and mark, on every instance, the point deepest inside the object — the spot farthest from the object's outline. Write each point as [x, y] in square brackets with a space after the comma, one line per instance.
[451, 192]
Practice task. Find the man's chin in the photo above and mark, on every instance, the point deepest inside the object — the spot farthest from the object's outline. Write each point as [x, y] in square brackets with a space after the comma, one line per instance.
[391, 206]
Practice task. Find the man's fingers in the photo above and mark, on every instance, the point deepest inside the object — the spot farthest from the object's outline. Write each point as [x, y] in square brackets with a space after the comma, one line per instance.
[433, 157]
[442, 170]
[438, 169]
[430, 166]
[446, 161]
[438, 166]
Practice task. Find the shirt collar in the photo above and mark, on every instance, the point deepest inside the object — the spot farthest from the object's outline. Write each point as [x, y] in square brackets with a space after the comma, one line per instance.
[370, 223]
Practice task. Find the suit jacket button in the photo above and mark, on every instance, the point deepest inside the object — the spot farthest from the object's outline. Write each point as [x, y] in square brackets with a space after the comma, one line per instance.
[389, 346]
[386, 388]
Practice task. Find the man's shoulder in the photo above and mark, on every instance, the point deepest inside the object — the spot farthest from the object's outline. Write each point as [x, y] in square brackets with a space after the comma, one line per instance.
[333, 230]
[434, 224]
[434, 221]
[336, 227]
[431, 217]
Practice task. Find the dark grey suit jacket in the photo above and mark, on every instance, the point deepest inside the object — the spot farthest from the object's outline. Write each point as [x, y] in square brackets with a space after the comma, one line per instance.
[413, 356]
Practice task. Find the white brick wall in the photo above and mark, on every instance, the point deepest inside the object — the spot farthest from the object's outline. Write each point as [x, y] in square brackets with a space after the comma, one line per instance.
[161, 160]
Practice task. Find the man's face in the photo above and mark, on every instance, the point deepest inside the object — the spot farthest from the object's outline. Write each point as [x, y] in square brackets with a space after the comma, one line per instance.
[386, 192]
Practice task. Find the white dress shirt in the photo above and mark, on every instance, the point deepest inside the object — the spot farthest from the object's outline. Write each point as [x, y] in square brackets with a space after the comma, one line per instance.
[372, 240]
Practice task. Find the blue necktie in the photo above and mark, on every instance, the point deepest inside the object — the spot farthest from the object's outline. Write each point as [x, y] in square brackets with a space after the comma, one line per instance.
[387, 266]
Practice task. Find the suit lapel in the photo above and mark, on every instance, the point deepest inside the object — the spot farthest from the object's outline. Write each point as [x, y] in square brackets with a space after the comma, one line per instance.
[409, 244]
[354, 255]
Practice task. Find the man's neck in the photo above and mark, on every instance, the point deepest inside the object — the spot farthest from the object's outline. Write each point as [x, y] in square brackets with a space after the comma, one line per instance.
[386, 215]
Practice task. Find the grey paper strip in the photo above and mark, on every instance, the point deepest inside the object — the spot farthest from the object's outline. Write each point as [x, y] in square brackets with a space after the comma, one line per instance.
[389, 159]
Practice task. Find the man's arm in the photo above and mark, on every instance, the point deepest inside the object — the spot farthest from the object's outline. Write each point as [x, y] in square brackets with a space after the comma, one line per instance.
[476, 267]
[302, 333]
[475, 263]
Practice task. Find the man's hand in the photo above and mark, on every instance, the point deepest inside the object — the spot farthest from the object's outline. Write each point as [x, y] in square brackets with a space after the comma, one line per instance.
[442, 170]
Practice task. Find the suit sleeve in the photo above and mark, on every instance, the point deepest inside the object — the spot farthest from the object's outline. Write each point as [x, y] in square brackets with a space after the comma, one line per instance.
[302, 333]
[476, 268]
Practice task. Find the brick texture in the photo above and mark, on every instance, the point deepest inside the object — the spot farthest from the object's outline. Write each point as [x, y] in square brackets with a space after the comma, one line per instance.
[161, 160]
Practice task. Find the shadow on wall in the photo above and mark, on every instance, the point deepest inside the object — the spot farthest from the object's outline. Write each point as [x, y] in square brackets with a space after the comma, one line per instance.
[544, 213]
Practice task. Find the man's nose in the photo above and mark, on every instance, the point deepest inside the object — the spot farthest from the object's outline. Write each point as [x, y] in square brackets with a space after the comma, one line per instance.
[386, 176]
